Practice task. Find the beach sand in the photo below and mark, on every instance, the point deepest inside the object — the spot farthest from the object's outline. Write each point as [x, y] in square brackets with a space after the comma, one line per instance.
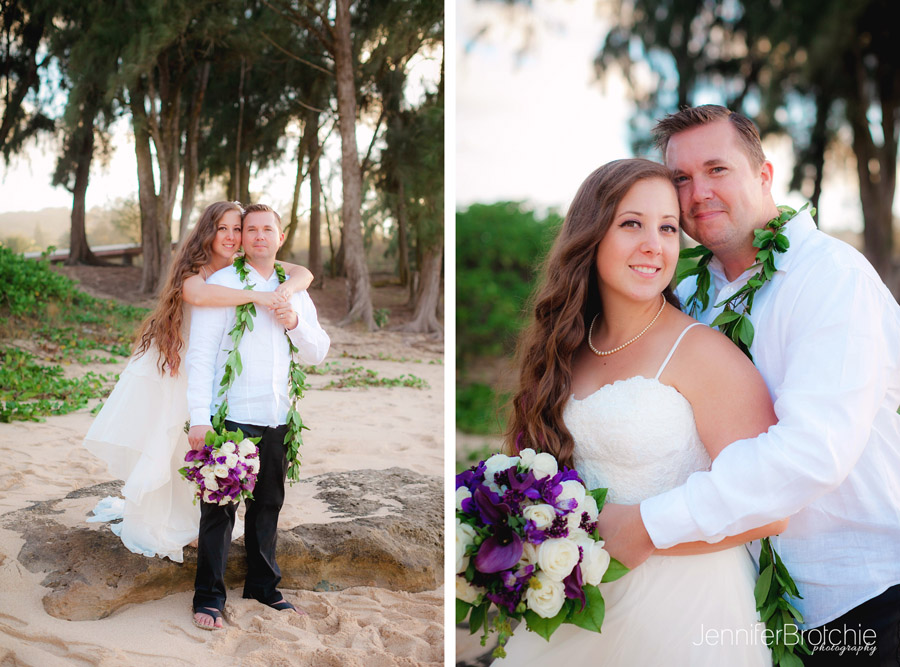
[351, 429]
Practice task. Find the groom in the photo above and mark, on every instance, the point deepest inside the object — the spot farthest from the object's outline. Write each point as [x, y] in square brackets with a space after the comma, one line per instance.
[827, 343]
[257, 405]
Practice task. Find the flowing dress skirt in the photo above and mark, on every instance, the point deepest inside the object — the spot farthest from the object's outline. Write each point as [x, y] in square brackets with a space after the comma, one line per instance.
[139, 432]
[680, 611]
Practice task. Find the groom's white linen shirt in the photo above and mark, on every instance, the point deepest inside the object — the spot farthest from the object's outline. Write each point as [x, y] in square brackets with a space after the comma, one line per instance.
[827, 343]
[259, 394]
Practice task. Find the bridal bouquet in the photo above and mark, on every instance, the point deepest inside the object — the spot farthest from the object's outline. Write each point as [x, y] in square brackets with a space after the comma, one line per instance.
[527, 542]
[224, 469]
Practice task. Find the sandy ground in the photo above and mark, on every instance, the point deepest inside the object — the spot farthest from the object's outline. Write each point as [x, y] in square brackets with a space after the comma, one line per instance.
[352, 429]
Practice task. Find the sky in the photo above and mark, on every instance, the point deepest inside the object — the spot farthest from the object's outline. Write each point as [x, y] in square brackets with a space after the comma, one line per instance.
[532, 124]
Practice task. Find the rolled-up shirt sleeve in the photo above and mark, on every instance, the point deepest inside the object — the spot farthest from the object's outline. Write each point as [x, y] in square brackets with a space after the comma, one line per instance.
[207, 328]
[310, 338]
[837, 355]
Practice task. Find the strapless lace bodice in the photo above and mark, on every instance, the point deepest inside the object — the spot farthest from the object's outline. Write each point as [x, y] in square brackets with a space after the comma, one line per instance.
[636, 437]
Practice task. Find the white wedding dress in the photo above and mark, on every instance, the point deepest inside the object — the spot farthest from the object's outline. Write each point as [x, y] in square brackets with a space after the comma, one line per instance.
[637, 437]
[139, 432]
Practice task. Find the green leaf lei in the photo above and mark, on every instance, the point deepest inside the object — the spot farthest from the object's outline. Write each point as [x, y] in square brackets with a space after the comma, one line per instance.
[244, 315]
[774, 585]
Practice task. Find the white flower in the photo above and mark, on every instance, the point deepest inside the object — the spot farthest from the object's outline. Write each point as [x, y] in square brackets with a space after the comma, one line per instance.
[595, 561]
[589, 505]
[542, 515]
[466, 591]
[207, 497]
[495, 464]
[254, 465]
[573, 521]
[228, 447]
[544, 465]
[544, 596]
[529, 554]
[231, 460]
[465, 536]
[571, 490]
[557, 557]
[243, 473]
[246, 447]
[221, 470]
[211, 483]
[461, 494]
[526, 457]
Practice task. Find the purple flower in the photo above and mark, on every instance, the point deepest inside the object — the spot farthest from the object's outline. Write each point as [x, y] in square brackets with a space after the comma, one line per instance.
[500, 551]
[574, 583]
[490, 506]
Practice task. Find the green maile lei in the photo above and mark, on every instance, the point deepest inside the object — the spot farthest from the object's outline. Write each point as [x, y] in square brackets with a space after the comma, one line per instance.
[775, 585]
[243, 321]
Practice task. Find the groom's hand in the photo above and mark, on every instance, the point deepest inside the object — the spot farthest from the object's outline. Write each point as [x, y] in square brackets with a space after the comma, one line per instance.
[197, 436]
[286, 316]
[626, 539]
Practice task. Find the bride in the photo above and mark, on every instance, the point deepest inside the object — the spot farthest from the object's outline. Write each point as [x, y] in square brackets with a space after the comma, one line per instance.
[617, 382]
[139, 432]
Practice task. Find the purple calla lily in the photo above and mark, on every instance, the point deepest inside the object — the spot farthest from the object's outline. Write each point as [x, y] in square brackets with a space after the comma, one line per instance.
[574, 583]
[490, 507]
[499, 552]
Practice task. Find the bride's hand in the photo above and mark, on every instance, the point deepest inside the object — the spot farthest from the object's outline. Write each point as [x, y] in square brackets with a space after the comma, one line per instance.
[197, 436]
[626, 539]
[268, 299]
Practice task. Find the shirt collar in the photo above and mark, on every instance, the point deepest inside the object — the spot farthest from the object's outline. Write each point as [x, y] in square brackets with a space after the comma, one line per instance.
[797, 230]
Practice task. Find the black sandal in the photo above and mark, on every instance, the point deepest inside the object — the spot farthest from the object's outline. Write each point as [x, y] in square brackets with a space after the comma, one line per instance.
[212, 612]
[284, 605]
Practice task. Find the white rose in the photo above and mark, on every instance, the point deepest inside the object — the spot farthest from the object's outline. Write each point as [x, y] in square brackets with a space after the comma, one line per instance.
[461, 494]
[573, 522]
[571, 490]
[228, 447]
[246, 448]
[221, 470]
[466, 591]
[243, 473]
[231, 460]
[542, 515]
[529, 554]
[211, 483]
[495, 464]
[544, 465]
[465, 536]
[207, 497]
[526, 457]
[544, 596]
[557, 557]
[589, 505]
[254, 465]
[594, 563]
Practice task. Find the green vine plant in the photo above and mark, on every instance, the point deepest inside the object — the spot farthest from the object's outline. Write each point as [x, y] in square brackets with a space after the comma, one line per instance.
[775, 586]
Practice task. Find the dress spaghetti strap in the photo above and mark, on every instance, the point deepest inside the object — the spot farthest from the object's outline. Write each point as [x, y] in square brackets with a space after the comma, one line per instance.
[672, 351]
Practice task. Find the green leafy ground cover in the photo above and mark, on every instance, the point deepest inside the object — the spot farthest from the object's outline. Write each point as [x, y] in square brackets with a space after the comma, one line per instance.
[62, 325]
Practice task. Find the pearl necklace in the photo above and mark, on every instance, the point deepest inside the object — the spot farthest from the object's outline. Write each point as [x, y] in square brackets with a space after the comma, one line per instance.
[601, 353]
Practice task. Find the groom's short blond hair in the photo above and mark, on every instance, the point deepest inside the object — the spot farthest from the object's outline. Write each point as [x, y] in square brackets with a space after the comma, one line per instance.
[261, 208]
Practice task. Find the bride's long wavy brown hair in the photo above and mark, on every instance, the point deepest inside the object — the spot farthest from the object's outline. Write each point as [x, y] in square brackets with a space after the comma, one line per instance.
[566, 298]
[162, 327]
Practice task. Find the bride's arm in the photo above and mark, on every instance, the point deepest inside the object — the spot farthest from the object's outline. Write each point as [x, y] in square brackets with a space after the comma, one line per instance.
[198, 293]
[730, 402]
[300, 279]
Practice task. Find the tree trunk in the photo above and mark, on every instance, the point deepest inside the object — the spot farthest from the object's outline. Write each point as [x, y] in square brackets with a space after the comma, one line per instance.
[236, 191]
[83, 144]
[146, 191]
[876, 168]
[425, 316]
[191, 157]
[359, 300]
[402, 243]
[285, 250]
[315, 209]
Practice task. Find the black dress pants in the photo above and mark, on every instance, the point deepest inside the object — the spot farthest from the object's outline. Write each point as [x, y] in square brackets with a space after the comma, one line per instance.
[866, 635]
[260, 527]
